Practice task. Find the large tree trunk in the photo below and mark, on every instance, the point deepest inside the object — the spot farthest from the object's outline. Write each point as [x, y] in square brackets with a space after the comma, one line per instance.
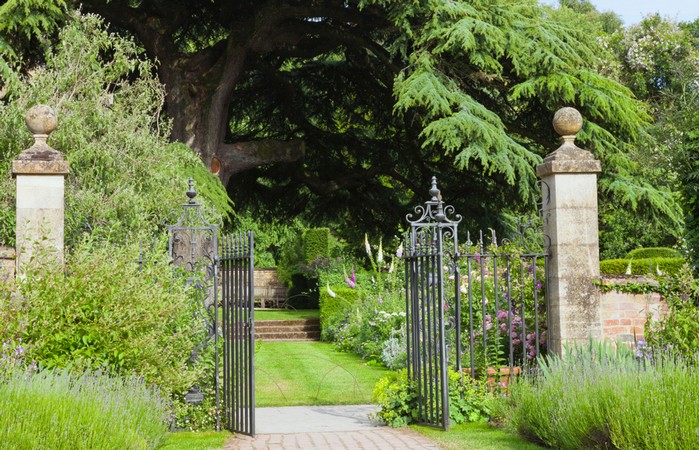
[199, 86]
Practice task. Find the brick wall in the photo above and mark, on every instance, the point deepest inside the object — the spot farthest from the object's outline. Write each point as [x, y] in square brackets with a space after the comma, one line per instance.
[623, 314]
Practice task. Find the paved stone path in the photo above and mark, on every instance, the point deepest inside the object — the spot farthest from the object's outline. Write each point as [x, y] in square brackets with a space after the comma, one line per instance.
[326, 428]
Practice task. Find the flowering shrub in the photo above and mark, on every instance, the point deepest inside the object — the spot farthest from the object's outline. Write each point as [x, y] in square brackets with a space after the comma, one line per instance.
[502, 295]
[361, 309]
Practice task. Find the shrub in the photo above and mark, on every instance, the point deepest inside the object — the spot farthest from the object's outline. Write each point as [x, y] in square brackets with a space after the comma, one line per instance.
[678, 330]
[397, 396]
[316, 243]
[102, 312]
[653, 252]
[334, 309]
[599, 397]
[124, 172]
[362, 309]
[666, 266]
[60, 410]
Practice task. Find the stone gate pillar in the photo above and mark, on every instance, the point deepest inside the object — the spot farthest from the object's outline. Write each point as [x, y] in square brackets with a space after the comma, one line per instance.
[569, 179]
[40, 172]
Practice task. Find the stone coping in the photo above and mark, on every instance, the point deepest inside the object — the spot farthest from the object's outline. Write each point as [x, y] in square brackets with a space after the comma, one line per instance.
[40, 167]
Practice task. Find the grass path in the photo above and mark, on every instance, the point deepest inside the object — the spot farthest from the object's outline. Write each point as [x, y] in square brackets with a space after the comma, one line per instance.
[311, 373]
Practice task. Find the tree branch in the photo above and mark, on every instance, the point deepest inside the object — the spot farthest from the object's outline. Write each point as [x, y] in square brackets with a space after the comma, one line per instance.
[240, 156]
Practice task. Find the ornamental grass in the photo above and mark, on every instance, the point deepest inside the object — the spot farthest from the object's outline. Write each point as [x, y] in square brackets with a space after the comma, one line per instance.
[59, 410]
[600, 396]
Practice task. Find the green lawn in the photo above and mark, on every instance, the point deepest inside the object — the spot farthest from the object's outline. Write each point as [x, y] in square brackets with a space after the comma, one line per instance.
[205, 440]
[286, 314]
[311, 373]
[475, 436]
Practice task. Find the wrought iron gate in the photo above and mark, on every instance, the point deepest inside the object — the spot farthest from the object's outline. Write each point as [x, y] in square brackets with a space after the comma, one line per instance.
[193, 247]
[426, 305]
[500, 328]
[195, 250]
[239, 333]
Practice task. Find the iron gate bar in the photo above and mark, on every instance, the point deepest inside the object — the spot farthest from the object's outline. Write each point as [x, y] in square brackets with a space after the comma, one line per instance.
[239, 331]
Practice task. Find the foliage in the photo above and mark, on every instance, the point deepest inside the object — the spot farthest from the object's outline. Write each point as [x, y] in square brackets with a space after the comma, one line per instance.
[363, 308]
[125, 176]
[397, 396]
[642, 266]
[316, 244]
[22, 23]
[678, 330]
[597, 397]
[654, 252]
[502, 293]
[274, 239]
[334, 306]
[105, 312]
[71, 410]
[658, 59]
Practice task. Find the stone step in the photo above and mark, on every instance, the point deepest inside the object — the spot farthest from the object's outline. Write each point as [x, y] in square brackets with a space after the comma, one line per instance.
[289, 336]
[288, 330]
[259, 328]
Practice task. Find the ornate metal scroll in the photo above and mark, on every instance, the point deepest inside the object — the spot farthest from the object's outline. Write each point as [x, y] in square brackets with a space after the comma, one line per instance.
[193, 247]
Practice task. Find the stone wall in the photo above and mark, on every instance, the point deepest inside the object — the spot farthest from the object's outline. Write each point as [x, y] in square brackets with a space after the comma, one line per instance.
[269, 291]
[624, 315]
[7, 263]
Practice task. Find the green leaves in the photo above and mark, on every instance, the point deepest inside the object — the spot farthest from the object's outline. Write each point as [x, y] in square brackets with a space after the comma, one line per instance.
[125, 174]
[106, 313]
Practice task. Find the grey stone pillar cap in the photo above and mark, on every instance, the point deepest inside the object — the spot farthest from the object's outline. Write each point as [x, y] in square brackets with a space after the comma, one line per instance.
[568, 158]
[40, 158]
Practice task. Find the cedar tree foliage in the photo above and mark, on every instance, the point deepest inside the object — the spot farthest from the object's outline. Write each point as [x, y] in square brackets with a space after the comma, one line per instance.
[345, 108]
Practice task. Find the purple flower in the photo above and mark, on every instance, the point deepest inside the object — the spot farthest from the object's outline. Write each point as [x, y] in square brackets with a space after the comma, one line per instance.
[354, 277]
[350, 283]
[538, 285]
[477, 256]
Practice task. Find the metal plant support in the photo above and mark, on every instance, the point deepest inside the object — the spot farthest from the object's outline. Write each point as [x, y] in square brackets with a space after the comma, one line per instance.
[499, 330]
[193, 247]
[237, 271]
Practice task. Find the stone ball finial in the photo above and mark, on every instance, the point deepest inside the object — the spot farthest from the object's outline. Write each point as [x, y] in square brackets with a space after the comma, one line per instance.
[41, 120]
[567, 121]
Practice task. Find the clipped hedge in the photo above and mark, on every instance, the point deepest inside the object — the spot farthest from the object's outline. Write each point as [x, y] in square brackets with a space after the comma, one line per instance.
[316, 242]
[334, 310]
[654, 252]
[642, 266]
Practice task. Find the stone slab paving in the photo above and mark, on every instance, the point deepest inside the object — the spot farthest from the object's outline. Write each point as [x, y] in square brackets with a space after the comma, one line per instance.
[326, 428]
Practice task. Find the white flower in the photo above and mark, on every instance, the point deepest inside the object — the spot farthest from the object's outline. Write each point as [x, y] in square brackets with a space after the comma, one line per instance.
[367, 247]
[330, 291]
[379, 255]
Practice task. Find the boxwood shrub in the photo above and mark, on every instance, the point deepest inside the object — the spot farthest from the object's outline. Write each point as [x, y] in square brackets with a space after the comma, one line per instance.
[654, 252]
[643, 266]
